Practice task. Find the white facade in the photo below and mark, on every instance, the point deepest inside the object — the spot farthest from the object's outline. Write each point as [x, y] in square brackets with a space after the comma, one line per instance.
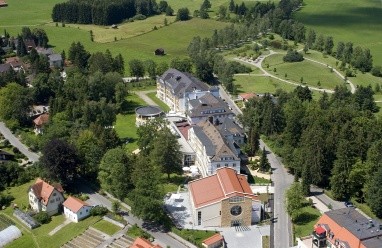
[205, 163]
[52, 205]
[82, 213]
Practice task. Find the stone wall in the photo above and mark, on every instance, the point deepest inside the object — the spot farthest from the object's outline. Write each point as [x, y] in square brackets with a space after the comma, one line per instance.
[244, 217]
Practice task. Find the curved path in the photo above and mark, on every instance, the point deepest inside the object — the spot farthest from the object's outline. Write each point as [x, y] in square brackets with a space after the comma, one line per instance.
[144, 97]
[16, 143]
[258, 63]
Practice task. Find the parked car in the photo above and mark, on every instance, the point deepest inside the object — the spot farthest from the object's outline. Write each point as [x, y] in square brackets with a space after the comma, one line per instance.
[348, 204]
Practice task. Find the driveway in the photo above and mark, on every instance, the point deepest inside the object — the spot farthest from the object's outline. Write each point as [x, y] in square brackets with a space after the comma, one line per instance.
[144, 97]
[16, 143]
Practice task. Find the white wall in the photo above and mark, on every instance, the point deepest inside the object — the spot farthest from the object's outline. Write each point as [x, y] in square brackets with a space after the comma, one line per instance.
[81, 214]
[211, 215]
[55, 201]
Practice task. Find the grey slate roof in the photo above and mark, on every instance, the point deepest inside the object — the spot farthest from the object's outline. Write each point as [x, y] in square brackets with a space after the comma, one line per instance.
[215, 144]
[208, 105]
[148, 110]
[181, 82]
[4, 67]
[356, 223]
[55, 57]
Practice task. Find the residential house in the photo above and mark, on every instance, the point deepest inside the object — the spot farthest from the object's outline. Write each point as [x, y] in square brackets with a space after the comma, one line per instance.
[4, 68]
[347, 228]
[44, 51]
[245, 97]
[143, 243]
[29, 44]
[15, 63]
[76, 209]
[55, 60]
[40, 122]
[45, 197]
[177, 88]
[212, 149]
[223, 199]
[206, 107]
[215, 241]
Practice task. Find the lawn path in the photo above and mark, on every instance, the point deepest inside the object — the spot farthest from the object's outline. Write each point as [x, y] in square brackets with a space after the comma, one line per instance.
[144, 97]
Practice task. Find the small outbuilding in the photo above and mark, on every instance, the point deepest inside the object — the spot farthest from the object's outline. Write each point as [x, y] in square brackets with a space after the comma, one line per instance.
[76, 209]
[215, 241]
[9, 234]
[159, 52]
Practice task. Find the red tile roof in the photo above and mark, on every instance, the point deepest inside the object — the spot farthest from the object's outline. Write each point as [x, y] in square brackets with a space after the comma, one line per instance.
[225, 183]
[143, 243]
[74, 204]
[247, 96]
[319, 230]
[213, 239]
[41, 120]
[43, 190]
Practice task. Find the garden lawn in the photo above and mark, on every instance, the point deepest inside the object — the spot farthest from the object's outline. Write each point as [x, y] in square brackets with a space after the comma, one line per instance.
[303, 226]
[194, 236]
[106, 227]
[125, 123]
[358, 21]
[311, 72]
[135, 231]
[161, 104]
[260, 84]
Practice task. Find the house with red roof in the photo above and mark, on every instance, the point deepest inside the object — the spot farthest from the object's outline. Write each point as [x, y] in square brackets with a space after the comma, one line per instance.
[223, 199]
[40, 122]
[143, 243]
[346, 228]
[45, 197]
[76, 209]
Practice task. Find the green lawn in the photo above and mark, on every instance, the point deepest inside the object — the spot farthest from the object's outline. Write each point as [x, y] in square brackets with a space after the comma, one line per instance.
[311, 72]
[194, 236]
[358, 21]
[161, 104]
[260, 84]
[135, 231]
[106, 227]
[303, 226]
[125, 124]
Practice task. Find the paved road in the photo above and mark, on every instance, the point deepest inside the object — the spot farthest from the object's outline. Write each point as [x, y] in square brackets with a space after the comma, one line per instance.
[16, 143]
[162, 238]
[282, 231]
[224, 95]
[143, 95]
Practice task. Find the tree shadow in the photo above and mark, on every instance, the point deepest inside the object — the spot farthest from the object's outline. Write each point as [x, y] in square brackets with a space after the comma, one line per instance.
[305, 218]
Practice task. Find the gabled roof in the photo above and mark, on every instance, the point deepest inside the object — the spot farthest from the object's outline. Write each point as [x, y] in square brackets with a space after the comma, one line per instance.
[214, 143]
[143, 243]
[181, 82]
[43, 190]
[74, 204]
[208, 105]
[4, 67]
[42, 119]
[213, 239]
[225, 183]
[247, 96]
[55, 57]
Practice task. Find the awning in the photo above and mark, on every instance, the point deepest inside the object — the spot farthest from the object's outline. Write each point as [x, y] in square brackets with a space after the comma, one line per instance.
[319, 230]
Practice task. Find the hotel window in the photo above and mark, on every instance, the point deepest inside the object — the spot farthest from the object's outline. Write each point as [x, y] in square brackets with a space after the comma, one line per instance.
[226, 165]
[199, 218]
[236, 199]
[233, 165]
[218, 166]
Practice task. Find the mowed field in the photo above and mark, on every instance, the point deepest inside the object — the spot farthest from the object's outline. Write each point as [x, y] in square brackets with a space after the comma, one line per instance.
[358, 21]
[136, 40]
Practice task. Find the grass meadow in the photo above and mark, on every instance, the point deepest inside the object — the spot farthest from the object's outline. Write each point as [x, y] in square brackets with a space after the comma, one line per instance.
[311, 72]
[358, 21]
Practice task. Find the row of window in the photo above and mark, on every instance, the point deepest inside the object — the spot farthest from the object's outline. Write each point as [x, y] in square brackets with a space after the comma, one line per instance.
[225, 165]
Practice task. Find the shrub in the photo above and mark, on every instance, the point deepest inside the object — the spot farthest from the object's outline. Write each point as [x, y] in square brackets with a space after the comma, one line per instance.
[15, 150]
[98, 211]
[376, 71]
[42, 218]
[5, 200]
[139, 17]
[183, 14]
[293, 56]
[276, 44]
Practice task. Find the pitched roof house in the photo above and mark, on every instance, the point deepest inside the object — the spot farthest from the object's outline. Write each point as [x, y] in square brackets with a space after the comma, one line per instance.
[143, 243]
[76, 209]
[40, 122]
[176, 88]
[347, 228]
[214, 241]
[46, 197]
[212, 149]
[223, 199]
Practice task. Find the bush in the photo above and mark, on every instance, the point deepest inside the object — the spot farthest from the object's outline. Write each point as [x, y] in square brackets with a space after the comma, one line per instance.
[139, 17]
[5, 200]
[293, 56]
[42, 218]
[15, 150]
[276, 44]
[99, 211]
[376, 71]
[183, 14]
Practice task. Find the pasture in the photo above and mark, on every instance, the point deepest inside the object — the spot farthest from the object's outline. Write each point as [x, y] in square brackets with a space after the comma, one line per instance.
[358, 21]
[313, 74]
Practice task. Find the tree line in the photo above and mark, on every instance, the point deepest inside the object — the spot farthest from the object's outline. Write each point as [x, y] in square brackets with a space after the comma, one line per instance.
[333, 142]
[103, 12]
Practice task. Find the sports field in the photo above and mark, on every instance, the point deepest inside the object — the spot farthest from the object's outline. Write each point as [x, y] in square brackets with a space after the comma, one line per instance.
[358, 21]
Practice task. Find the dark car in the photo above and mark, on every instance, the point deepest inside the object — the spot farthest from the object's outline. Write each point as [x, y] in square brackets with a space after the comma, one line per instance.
[348, 204]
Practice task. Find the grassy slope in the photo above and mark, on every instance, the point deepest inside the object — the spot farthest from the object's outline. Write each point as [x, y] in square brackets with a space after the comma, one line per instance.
[358, 21]
[304, 225]
[310, 71]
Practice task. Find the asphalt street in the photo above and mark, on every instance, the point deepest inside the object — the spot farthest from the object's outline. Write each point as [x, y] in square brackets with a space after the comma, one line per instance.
[282, 231]
[16, 143]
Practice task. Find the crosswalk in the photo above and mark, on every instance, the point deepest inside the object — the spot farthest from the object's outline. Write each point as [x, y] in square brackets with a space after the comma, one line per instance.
[242, 228]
